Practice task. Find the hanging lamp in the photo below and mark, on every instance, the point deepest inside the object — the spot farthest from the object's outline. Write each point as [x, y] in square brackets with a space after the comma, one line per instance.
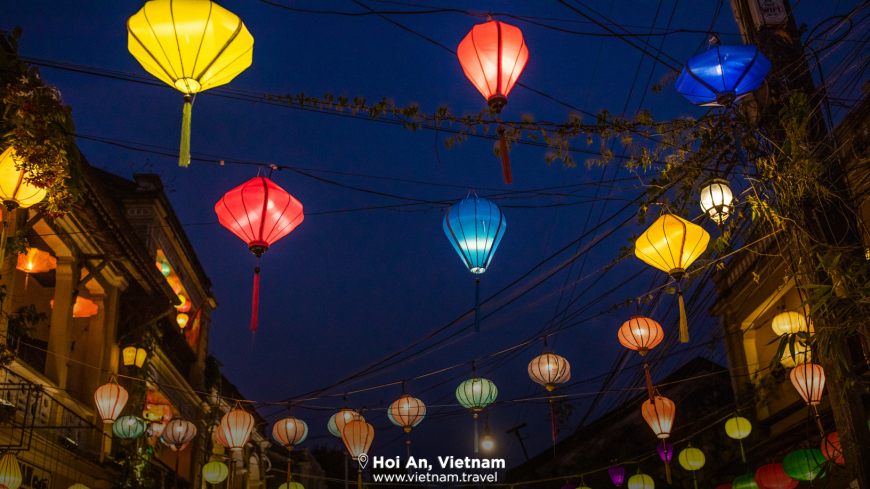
[178, 433]
[290, 432]
[666, 453]
[191, 45]
[804, 465]
[36, 261]
[493, 55]
[236, 427]
[738, 428]
[475, 227]
[110, 400]
[692, 459]
[641, 481]
[672, 244]
[745, 481]
[215, 472]
[789, 322]
[641, 334]
[487, 442]
[260, 213]
[617, 475]
[10, 472]
[831, 448]
[722, 75]
[338, 420]
[476, 394]
[659, 415]
[773, 476]
[407, 412]
[716, 200]
[357, 437]
[809, 380]
[15, 190]
[549, 369]
[128, 427]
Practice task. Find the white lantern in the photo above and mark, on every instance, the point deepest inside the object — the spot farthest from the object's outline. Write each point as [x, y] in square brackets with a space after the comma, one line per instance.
[716, 200]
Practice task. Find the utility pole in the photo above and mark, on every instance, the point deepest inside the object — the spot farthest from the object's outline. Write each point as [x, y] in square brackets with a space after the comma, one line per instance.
[516, 431]
[770, 25]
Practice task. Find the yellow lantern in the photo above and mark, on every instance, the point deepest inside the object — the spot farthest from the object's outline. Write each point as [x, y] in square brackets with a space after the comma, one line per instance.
[738, 428]
[36, 261]
[801, 355]
[672, 244]
[10, 472]
[549, 369]
[788, 322]
[692, 459]
[182, 319]
[110, 400]
[78, 485]
[641, 481]
[215, 472]
[14, 191]
[192, 45]
[291, 485]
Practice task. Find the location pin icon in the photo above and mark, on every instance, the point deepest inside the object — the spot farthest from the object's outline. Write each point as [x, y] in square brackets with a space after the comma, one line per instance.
[363, 460]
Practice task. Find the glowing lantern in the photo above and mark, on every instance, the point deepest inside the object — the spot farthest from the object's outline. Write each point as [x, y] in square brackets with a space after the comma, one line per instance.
[804, 465]
[290, 431]
[659, 416]
[641, 481]
[722, 75]
[407, 412]
[15, 191]
[550, 369]
[236, 426]
[487, 442]
[692, 459]
[640, 333]
[831, 448]
[671, 244]
[178, 433]
[260, 213]
[738, 428]
[772, 476]
[10, 472]
[809, 380]
[476, 394]
[475, 227]
[339, 419]
[357, 437]
[157, 428]
[215, 472]
[745, 481]
[192, 45]
[716, 200]
[128, 427]
[220, 438]
[788, 322]
[617, 475]
[110, 400]
[666, 452]
[291, 485]
[83, 308]
[185, 304]
[182, 319]
[134, 356]
[164, 268]
[36, 261]
[493, 56]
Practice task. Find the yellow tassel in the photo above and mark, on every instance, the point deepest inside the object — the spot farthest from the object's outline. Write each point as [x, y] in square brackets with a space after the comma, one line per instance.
[742, 451]
[684, 323]
[668, 472]
[184, 154]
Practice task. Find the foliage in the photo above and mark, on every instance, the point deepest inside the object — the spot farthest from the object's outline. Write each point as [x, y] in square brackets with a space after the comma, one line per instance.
[39, 127]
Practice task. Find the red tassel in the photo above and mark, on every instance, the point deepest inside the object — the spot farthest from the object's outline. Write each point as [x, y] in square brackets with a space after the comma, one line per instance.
[255, 306]
[505, 156]
[553, 419]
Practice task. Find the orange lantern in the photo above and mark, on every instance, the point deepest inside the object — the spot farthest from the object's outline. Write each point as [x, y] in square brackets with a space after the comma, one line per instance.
[357, 437]
[640, 333]
[809, 380]
[110, 400]
[36, 261]
[832, 450]
[290, 431]
[182, 319]
[659, 416]
[220, 438]
[236, 426]
[407, 412]
[83, 308]
[185, 304]
[493, 56]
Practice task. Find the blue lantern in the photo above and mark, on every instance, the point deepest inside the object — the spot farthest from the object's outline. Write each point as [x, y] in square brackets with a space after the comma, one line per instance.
[475, 227]
[722, 75]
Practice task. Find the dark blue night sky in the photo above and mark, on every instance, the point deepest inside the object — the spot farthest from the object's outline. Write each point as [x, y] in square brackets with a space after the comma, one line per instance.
[347, 289]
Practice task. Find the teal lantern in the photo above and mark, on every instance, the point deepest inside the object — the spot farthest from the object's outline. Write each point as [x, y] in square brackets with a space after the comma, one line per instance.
[804, 465]
[476, 394]
[128, 427]
[475, 227]
[745, 481]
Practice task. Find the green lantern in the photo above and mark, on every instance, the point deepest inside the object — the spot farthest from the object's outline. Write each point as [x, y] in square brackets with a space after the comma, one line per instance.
[746, 481]
[804, 465]
[128, 427]
[476, 394]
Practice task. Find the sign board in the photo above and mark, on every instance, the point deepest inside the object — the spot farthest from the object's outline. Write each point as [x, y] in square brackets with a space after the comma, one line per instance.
[768, 12]
[33, 477]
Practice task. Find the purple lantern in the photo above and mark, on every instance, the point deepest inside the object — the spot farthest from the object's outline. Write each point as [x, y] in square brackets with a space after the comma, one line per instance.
[666, 458]
[617, 475]
[569, 486]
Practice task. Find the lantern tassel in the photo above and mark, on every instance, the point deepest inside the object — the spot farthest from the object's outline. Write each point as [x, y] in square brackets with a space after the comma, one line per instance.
[553, 422]
[684, 323]
[505, 155]
[649, 384]
[742, 451]
[695, 480]
[668, 472]
[255, 303]
[476, 442]
[477, 305]
[184, 154]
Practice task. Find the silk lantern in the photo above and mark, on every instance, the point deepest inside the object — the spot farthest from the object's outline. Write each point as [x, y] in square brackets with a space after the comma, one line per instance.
[10, 472]
[788, 322]
[549, 369]
[15, 190]
[641, 334]
[236, 428]
[745, 481]
[215, 472]
[178, 433]
[493, 55]
[82, 308]
[666, 453]
[191, 45]
[659, 415]
[476, 394]
[716, 200]
[671, 244]
[110, 400]
[475, 227]
[134, 356]
[617, 475]
[407, 412]
[36, 261]
[722, 75]
[641, 481]
[738, 428]
[128, 427]
[290, 431]
[338, 420]
[809, 380]
[692, 459]
[831, 448]
[182, 319]
[164, 268]
[260, 213]
[804, 465]
[357, 437]
[772, 476]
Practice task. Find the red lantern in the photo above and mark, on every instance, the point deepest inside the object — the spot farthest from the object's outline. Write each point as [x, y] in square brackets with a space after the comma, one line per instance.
[236, 426]
[260, 213]
[493, 56]
[831, 448]
[809, 380]
[659, 416]
[772, 476]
